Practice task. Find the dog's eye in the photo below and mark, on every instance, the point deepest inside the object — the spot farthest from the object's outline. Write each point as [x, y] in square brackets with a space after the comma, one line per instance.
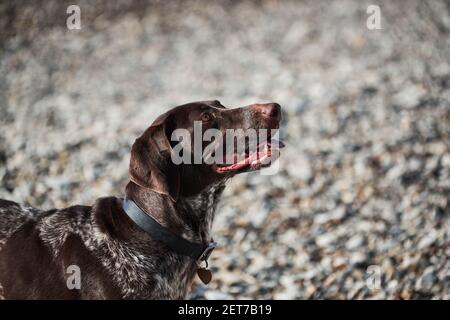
[206, 116]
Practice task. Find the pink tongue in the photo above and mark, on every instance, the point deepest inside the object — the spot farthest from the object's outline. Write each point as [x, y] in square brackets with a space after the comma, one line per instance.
[255, 158]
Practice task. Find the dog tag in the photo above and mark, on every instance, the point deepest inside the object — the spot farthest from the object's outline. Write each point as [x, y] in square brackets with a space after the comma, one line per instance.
[204, 274]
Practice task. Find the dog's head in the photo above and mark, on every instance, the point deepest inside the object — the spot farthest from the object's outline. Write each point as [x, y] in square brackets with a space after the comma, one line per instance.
[197, 144]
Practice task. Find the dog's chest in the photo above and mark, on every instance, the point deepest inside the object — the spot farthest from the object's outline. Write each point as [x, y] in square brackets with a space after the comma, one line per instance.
[141, 276]
[133, 267]
[134, 270]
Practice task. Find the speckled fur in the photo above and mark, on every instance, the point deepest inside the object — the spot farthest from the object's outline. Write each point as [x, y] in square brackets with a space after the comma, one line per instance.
[117, 259]
[137, 274]
[12, 216]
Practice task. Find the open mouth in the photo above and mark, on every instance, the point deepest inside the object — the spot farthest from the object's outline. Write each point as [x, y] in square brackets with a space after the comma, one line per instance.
[265, 153]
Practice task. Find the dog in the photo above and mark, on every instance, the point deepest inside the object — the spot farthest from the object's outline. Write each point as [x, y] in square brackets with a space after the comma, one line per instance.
[148, 245]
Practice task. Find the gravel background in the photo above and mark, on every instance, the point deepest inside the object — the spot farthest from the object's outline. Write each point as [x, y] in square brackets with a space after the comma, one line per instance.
[365, 177]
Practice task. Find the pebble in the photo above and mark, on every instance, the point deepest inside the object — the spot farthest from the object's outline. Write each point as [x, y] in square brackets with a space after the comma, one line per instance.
[426, 280]
[427, 240]
[354, 242]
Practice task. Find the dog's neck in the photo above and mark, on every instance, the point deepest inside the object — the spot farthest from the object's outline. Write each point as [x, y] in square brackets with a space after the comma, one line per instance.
[190, 216]
[201, 208]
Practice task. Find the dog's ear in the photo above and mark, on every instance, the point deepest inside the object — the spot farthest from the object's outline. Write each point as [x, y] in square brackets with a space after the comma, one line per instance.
[150, 163]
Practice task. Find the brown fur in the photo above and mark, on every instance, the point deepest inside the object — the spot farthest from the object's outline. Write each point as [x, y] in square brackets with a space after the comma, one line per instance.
[117, 259]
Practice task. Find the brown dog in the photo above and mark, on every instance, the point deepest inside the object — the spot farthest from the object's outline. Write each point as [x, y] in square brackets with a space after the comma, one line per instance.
[148, 247]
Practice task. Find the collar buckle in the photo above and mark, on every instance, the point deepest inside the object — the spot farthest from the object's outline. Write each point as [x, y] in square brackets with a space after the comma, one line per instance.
[204, 256]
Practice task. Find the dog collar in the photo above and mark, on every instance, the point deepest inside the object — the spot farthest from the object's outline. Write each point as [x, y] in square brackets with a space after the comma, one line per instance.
[176, 243]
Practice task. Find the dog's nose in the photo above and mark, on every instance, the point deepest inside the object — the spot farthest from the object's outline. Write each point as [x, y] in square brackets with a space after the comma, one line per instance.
[272, 110]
